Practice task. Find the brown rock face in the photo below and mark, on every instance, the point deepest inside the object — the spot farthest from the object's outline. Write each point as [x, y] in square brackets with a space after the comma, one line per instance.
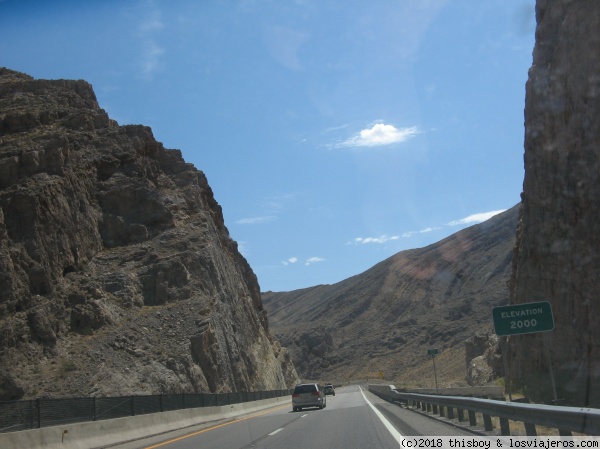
[558, 243]
[117, 273]
[483, 358]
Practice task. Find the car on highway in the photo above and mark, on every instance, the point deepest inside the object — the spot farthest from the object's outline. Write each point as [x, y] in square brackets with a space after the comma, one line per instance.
[308, 395]
[329, 389]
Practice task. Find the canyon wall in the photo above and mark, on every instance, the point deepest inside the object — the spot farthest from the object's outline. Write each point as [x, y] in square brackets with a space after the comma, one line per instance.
[557, 256]
[117, 272]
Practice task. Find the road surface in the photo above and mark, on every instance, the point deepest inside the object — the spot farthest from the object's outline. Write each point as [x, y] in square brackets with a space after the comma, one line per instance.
[353, 418]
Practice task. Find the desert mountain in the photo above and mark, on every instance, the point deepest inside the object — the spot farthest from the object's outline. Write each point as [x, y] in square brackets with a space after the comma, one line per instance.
[385, 319]
[117, 273]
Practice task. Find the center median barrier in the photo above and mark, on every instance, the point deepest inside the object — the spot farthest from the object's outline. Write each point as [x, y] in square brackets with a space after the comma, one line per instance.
[490, 391]
[97, 434]
[391, 394]
[386, 392]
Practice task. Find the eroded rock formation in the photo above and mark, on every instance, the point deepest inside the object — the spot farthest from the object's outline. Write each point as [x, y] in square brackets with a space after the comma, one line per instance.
[483, 358]
[117, 273]
[558, 243]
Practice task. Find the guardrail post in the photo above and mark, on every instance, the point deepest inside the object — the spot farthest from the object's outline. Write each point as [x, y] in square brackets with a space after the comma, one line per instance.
[530, 429]
[487, 423]
[423, 406]
[461, 414]
[434, 409]
[504, 427]
[442, 410]
[472, 418]
[450, 413]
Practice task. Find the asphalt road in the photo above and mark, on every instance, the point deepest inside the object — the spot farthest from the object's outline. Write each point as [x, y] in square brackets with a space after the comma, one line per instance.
[352, 419]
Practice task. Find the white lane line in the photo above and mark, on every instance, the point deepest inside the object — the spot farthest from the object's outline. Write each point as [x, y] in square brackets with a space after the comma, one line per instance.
[304, 415]
[397, 435]
[276, 431]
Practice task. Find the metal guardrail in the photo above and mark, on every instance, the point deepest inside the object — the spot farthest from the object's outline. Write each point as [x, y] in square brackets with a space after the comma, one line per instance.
[36, 413]
[565, 419]
[489, 392]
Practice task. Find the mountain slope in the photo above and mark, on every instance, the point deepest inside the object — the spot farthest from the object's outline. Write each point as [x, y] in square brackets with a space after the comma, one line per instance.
[117, 273]
[386, 318]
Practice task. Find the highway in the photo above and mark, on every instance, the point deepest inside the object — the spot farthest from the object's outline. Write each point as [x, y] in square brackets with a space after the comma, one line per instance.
[353, 418]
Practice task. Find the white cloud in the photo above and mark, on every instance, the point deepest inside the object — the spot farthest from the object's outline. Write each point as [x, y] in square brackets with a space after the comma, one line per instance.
[276, 203]
[336, 128]
[270, 209]
[313, 260]
[476, 218]
[378, 135]
[422, 231]
[290, 260]
[151, 58]
[381, 239]
[256, 220]
[148, 29]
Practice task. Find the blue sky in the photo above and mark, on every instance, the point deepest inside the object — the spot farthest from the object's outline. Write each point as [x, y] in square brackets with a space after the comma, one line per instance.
[334, 133]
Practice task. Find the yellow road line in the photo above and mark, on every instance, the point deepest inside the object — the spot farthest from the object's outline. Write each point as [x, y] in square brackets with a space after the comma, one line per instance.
[215, 427]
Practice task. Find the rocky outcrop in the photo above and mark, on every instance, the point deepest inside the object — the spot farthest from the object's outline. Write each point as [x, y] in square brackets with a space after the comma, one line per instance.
[117, 273]
[483, 358]
[558, 245]
[385, 319]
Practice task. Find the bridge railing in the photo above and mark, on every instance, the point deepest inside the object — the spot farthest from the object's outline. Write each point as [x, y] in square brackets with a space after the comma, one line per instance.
[36, 413]
[565, 419]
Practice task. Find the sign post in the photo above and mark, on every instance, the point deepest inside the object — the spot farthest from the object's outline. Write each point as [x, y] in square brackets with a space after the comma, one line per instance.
[433, 353]
[528, 318]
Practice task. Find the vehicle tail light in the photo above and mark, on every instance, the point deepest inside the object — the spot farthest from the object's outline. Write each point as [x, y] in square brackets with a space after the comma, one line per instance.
[316, 393]
[295, 395]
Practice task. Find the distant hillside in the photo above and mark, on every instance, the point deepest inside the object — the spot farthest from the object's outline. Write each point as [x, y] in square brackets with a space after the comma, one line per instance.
[386, 318]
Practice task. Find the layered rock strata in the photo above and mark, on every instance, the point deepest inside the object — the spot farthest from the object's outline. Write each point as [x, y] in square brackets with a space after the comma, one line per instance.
[117, 272]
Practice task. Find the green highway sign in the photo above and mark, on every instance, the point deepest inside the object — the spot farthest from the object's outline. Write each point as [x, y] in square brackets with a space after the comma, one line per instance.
[526, 318]
[432, 351]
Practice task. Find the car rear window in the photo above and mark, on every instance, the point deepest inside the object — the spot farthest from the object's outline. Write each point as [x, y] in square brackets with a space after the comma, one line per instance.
[305, 389]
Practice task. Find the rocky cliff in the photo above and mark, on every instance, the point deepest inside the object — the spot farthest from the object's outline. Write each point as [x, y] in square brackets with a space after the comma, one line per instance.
[117, 273]
[558, 244]
[385, 319]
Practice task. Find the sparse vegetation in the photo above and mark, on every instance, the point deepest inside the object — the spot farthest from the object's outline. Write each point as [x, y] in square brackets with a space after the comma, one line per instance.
[66, 367]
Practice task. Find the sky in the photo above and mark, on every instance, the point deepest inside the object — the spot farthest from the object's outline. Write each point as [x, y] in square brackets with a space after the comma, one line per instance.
[333, 133]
